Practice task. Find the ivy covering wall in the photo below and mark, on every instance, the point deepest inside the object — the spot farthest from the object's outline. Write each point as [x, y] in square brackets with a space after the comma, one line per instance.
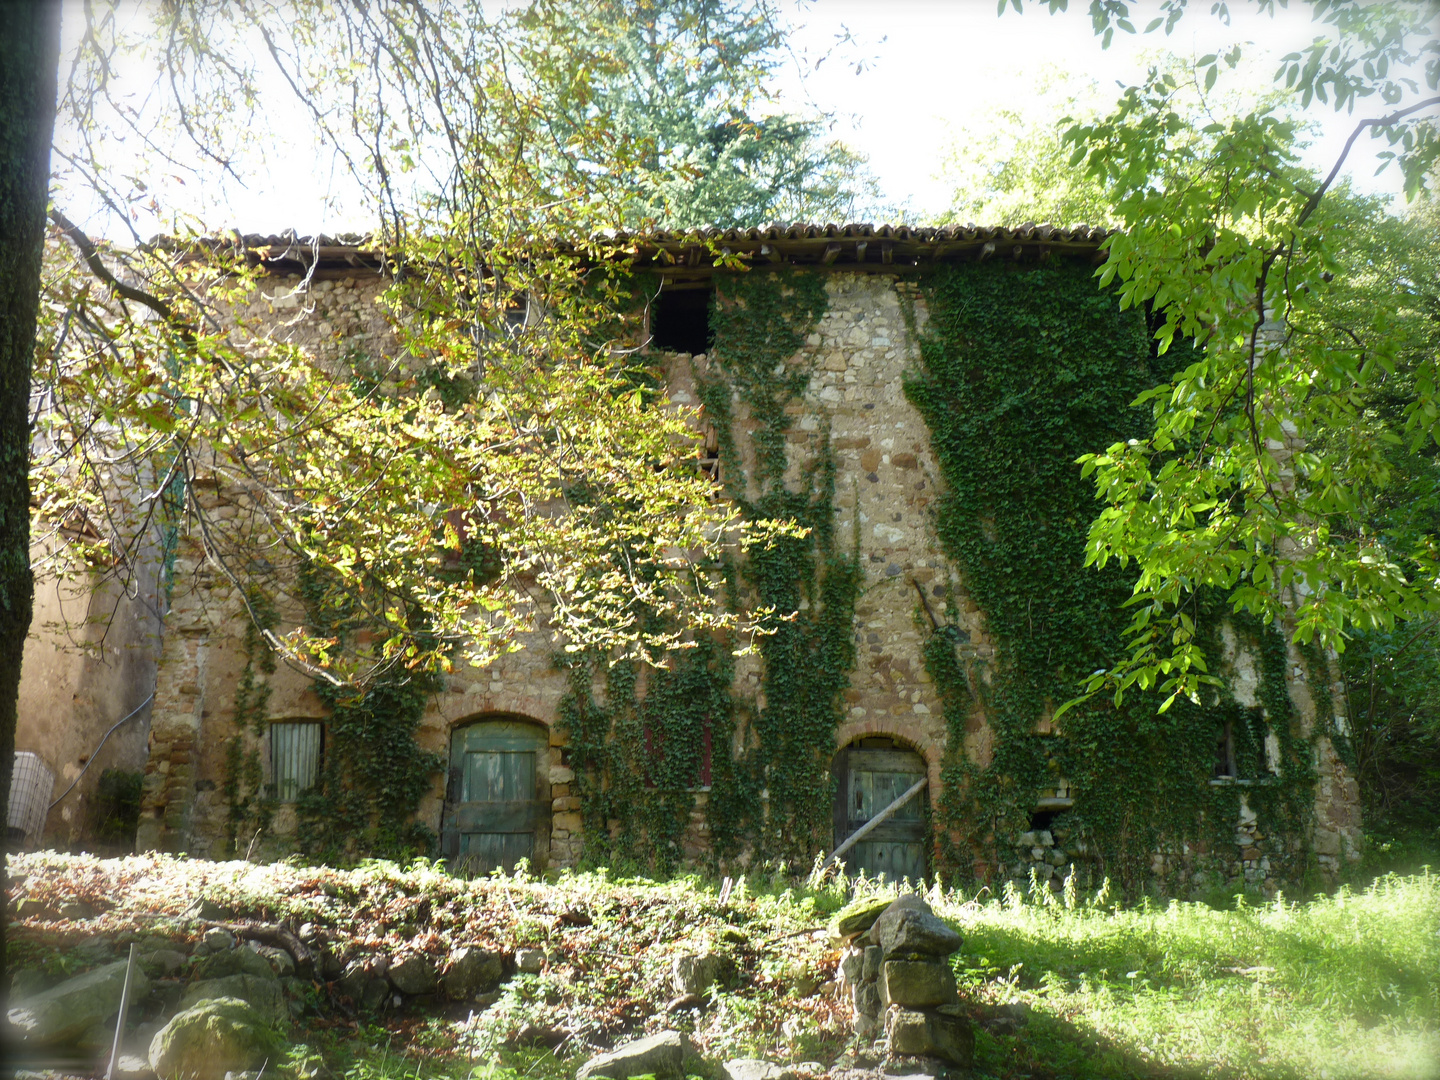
[636, 746]
[373, 772]
[1018, 371]
[1021, 369]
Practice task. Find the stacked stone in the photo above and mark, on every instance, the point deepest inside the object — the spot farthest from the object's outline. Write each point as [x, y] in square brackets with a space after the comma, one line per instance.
[899, 979]
[1254, 863]
[1040, 850]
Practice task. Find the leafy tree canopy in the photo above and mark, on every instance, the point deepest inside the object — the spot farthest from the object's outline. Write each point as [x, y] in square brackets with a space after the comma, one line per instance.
[1244, 255]
[513, 457]
[1011, 165]
[714, 156]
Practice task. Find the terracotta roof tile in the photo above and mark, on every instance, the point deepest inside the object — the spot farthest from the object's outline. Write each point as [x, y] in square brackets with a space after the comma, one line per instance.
[683, 251]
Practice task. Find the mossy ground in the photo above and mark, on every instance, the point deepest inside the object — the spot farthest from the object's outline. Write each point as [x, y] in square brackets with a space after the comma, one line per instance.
[1346, 985]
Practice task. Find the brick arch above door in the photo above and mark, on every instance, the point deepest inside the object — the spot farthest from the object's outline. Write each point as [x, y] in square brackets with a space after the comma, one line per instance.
[932, 750]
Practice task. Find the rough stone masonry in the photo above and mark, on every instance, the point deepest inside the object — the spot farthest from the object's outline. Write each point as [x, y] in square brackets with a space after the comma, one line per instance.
[887, 485]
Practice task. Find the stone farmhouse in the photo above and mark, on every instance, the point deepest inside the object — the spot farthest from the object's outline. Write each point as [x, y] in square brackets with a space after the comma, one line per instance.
[511, 785]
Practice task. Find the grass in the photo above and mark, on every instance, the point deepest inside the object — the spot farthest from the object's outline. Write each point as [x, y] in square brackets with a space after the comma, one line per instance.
[1339, 986]
[1342, 986]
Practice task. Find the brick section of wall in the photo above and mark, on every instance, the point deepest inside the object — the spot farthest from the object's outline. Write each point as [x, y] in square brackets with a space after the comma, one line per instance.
[168, 791]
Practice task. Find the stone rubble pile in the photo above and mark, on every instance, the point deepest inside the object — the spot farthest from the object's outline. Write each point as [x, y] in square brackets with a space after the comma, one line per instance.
[199, 1009]
[1041, 850]
[896, 971]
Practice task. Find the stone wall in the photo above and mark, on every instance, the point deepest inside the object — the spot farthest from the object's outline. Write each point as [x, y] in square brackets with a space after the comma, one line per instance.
[89, 663]
[888, 481]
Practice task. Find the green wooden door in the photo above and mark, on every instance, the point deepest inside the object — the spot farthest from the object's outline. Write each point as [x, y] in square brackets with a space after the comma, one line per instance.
[867, 781]
[495, 810]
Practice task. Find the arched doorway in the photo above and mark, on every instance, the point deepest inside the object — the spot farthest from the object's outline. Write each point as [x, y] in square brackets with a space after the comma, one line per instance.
[497, 795]
[870, 774]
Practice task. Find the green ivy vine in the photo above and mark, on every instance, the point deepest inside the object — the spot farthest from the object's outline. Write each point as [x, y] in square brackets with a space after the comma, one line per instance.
[636, 755]
[1021, 370]
[374, 772]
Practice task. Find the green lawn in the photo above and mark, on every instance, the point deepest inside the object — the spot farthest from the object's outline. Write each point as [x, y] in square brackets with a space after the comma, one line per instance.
[1341, 986]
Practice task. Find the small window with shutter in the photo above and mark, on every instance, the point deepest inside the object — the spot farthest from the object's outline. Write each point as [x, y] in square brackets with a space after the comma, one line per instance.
[294, 758]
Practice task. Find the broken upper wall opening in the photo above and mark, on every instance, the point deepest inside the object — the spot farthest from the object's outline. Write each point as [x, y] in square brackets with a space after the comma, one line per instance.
[680, 320]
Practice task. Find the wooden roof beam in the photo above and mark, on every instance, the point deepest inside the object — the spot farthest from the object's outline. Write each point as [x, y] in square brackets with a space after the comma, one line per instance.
[832, 252]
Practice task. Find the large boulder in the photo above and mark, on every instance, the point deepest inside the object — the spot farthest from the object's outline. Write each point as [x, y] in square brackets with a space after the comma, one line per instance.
[908, 929]
[161, 963]
[916, 983]
[210, 1039]
[94, 950]
[752, 1069]
[64, 1012]
[27, 982]
[696, 974]
[240, 961]
[261, 993]
[363, 981]
[661, 1056]
[280, 960]
[942, 1033]
[470, 971]
[412, 973]
[529, 961]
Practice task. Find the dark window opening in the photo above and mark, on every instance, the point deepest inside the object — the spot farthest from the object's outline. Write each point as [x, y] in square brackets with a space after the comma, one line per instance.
[680, 321]
[517, 317]
[1043, 819]
[1225, 751]
[1240, 746]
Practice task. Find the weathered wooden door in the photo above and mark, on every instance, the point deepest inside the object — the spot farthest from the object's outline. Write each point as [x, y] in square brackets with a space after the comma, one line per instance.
[867, 781]
[496, 812]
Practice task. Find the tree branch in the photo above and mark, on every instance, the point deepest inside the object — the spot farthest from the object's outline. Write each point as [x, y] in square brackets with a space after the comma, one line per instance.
[97, 266]
[1313, 202]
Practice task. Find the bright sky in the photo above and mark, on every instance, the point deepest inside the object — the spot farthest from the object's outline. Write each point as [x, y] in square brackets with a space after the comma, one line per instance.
[935, 66]
[927, 70]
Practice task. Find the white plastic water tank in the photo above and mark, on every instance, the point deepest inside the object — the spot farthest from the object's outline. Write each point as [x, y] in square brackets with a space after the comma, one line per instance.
[30, 788]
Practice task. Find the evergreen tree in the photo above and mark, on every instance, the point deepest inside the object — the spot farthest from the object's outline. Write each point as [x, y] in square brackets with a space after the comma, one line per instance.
[695, 87]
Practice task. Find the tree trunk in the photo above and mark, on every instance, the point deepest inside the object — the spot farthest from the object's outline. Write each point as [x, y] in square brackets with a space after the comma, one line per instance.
[29, 57]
